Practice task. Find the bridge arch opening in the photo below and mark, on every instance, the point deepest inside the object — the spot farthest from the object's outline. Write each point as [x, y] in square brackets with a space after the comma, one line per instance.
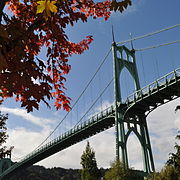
[122, 55]
[127, 83]
[134, 150]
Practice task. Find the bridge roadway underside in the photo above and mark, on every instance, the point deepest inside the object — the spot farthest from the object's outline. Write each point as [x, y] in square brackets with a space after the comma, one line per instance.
[84, 133]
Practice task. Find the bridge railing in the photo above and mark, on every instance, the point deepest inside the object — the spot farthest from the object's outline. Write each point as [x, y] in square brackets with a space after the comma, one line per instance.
[157, 85]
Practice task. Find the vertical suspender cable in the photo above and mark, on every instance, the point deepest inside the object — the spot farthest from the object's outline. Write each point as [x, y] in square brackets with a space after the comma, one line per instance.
[157, 67]
[100, 87]
[144, 75]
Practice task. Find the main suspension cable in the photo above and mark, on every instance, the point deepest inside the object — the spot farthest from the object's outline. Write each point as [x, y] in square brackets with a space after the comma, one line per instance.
[101, 64]
[156, 46]
[149, 34]
[94, 102]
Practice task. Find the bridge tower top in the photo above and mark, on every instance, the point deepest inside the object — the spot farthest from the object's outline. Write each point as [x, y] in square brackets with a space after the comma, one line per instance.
[124, 58]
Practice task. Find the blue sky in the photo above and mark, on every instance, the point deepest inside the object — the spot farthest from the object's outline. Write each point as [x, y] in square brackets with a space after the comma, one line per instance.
[26, 131]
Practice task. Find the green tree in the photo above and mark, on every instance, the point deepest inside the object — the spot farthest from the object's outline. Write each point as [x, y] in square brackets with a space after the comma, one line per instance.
[167, 173]
[89, 169]
[171, 171]
[116, 172]
[4, 151]
[174, 159]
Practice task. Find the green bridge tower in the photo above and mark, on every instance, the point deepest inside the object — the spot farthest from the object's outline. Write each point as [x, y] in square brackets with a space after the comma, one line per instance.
[136, 121]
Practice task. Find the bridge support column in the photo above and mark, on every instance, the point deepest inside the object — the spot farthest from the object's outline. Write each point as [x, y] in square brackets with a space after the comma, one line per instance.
[125, 58]
[120, 140]
[146, 146]
[136, 123]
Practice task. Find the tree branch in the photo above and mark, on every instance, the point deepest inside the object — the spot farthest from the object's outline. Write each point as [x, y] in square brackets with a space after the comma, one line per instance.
[2, 5]
[31, 28]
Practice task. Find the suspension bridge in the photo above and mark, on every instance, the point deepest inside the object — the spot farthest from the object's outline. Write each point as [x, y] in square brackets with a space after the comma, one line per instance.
[126, 115]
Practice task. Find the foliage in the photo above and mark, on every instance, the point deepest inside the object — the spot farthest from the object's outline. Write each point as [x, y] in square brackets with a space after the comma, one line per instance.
[171, 170]
[120, 6]
[167, 173]
[47, 7]
[36, 172]
[89, 169]
[32, 25]
[117, 171]
[4, 151]
[174, 159]
[41, 173]
[177, 108]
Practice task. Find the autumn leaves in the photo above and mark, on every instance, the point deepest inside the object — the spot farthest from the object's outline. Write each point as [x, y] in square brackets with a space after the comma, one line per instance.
[32, 25]
[47, 7]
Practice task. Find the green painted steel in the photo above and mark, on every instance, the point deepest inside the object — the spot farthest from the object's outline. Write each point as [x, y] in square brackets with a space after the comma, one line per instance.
[146, 99]
[125, 58]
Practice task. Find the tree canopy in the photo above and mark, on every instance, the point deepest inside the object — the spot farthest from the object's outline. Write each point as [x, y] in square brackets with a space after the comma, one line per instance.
[4, 151]
[171, 171]
[26, 26]
[118, 171]
[174, 159]
[89, 169]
